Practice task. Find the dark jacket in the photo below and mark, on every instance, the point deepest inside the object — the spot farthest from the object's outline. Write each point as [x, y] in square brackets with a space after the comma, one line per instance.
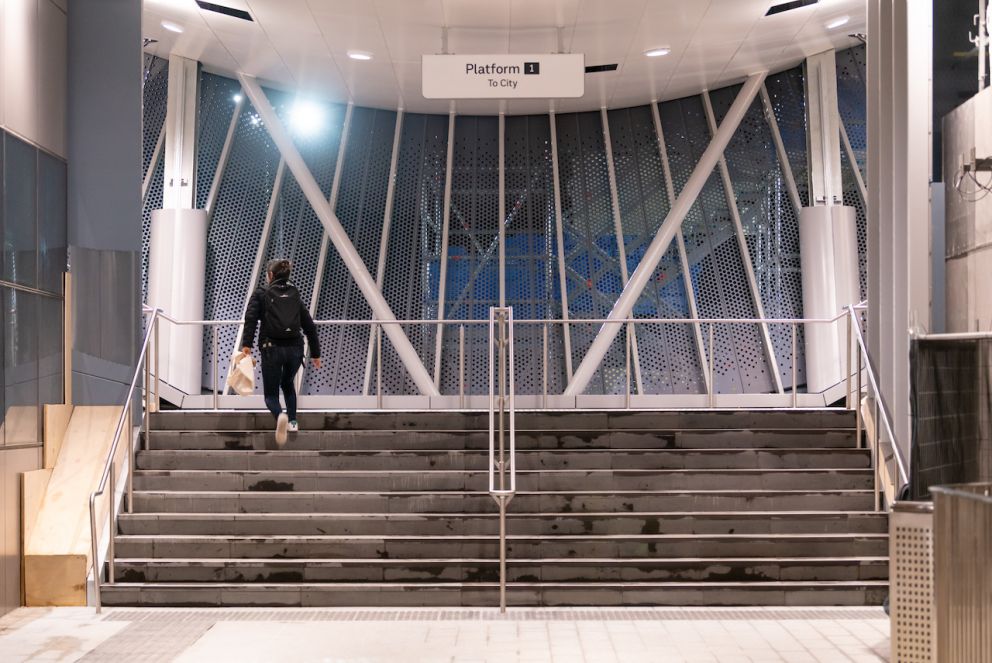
[256, 312]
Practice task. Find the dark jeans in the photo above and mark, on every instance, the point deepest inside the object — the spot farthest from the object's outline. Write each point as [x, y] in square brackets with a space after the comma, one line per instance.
[280, 365]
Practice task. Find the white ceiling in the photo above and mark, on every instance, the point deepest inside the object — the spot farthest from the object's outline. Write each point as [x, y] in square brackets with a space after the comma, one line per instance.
[302, 44]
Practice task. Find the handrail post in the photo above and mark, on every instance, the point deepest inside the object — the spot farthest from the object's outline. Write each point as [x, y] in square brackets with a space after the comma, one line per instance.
[158, 374]
[712, 386]
[857, 405]
[849, 398]
[94, 551]
[626, 335]
[795, 364]
[378, 366]
[874, 456]
[500, 348]
[110, 521]
[461, 366]
[213, 378]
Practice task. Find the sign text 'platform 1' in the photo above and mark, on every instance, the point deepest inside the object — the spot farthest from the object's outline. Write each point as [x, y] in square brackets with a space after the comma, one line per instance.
[543, 76]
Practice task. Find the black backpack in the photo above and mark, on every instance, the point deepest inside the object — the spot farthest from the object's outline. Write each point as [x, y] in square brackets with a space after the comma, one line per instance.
[283, 304]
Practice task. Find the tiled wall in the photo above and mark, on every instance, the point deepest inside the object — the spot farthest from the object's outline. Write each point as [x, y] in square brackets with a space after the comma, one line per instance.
[33, 233]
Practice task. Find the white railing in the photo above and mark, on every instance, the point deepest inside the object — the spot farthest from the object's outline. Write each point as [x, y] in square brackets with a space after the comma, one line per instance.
[502, 426]
[545, 397]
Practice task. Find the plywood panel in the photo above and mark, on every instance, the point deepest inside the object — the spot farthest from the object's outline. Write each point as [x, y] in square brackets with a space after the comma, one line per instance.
[56, 422]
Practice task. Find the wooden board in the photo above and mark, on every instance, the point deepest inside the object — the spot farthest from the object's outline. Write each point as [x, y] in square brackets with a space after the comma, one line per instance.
[56, 422]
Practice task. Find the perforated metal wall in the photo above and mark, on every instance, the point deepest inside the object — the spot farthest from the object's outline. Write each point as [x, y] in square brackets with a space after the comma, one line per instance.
[853, 107]
[532, 281]
[154, 98]
[771, 225]
[719, 278]
[360, 207]
[236, 227]
[413, 255]
[669, 360]
[668, 356]
[591, 256]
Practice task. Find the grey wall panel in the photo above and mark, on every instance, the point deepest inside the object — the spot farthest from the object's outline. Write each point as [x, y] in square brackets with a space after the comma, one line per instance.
[532, 285]
[12, 463]
[592, 264]
[413, 257]
[668, 356]
[22, 419]
[20, 211]
[52, 232]
[719, 276]
[236, 229]
[360, 207]
[771, 225]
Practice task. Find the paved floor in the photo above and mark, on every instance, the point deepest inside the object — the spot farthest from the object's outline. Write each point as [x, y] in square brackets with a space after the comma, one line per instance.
[824, 635]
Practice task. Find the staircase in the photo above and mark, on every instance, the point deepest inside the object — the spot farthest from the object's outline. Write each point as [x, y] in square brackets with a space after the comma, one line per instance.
[613, 508]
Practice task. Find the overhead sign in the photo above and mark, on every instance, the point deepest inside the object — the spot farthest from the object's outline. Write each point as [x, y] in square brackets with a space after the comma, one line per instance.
[544, 76]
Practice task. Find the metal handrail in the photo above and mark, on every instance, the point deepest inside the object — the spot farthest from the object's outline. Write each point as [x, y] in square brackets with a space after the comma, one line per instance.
[501, 422]
[141, 366]
[881, 408]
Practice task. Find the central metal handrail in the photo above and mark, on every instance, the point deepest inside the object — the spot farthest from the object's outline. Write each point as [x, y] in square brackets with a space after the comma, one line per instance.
[108, 476]
[867, 365]
[501, 426]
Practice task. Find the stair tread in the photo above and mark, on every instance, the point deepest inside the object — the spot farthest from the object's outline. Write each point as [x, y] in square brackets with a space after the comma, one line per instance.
[555, 514]
[776, 584]
[494, 537]
[285, 561]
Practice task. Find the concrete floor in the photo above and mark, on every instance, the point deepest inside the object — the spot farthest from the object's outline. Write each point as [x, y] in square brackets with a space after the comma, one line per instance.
[627, 635]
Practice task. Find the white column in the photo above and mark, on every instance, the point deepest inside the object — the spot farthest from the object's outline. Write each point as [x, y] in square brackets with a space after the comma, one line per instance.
[334, 229]
[826, 183]
[179, 191]
[560, 237]
[663, 238]
[690, 292]
[752, 281]
[900, 46]
[442, 285]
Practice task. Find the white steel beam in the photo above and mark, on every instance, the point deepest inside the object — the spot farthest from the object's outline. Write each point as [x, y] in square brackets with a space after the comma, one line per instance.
[783, 156]
[156, 155]
[752, 281]
[502, 210]
[823, 138]
[448, 168]
[663, 238]
[560, 237]
[333, 203]
[618, 231]
[225, 154]
[179, 180]
[690, 292]
[852, 160]
[387, 220]
[263, 244]
[334, 229]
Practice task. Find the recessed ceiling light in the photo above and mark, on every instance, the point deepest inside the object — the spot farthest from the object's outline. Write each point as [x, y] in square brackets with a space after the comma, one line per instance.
[838, 22]
[359, 55]
[172, 27]
[657, 52]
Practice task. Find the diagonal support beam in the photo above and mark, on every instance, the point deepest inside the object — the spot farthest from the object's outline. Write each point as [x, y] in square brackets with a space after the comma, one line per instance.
[663, 238]
[752, 281]
[335, 231]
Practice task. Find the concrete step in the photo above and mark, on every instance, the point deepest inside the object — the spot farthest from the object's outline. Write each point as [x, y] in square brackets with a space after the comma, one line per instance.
[343, 524]
[331, 440]
[487, 570]
[537, 480]
[450, 546]
[481, 502]
[568, 420]
[529, 459]
[777, 593]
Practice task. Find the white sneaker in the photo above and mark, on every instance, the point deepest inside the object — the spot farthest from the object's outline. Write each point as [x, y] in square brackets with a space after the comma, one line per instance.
[294, 426]
[282, 421]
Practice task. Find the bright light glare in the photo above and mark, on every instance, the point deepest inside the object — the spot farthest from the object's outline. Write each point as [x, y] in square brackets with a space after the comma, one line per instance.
[236, 98]
[838, 22]
[172, 27]
[359, 55]
[306, 117]
[657, 52]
